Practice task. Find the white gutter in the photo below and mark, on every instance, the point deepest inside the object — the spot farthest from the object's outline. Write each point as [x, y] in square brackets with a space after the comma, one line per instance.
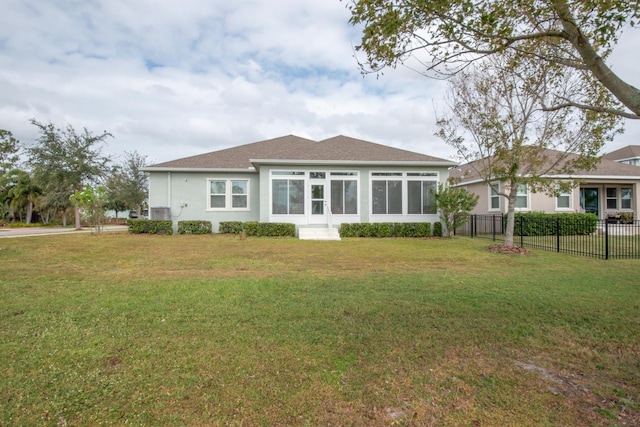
[174, 169]
[582, 177]
[354, 162]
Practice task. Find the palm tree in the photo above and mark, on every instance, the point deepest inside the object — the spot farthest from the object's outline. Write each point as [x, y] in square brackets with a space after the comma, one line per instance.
[23, 193]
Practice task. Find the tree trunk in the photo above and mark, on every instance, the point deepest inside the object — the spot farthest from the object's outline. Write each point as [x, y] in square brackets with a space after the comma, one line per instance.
[76, 212]
[511, 209]
[29, 211]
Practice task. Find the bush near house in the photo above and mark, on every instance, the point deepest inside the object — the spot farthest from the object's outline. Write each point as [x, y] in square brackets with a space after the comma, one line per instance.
[386, 229]
[150, 226]
[543, 224]
[194, 227]
[230, 227]
[437, 229]
[258, 229]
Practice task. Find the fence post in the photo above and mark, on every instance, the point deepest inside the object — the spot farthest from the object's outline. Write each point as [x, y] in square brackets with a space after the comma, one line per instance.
[557, 234]
[493, 227]
[606, 239]
[521, 231]
[472, 221]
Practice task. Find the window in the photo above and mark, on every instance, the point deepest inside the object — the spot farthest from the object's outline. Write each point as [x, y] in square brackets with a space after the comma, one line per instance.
[386, 197]
[522, 197]
[227, 194]
[287, 196]
[612, 198]
[563, 201]
[344, 197]
[420, 198]
[494, 188]
[398, 193]
[625, 198]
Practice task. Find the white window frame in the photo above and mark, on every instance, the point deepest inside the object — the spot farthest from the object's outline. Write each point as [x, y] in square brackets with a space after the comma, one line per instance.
[493, 194]
[524, 194]
[344, 176]
[289, 175]
[404, 177]
[564, 194]
[622, 198]
[613, 198]
[228, 205]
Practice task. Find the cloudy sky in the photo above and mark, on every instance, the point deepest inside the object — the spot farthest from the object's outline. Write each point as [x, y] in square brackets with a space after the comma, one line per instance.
[171, 79]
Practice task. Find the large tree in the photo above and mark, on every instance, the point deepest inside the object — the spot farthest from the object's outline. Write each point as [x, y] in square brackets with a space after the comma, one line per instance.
[497, 125]
[21, 194]
[9, 147]
[575, 34]
[127, 184]
[63, 161]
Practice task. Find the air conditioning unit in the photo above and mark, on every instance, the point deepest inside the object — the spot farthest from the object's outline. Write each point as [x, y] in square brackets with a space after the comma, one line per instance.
[160, 212]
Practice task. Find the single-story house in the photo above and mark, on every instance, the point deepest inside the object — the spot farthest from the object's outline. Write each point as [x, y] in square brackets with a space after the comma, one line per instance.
[312, 184]
[608, 190]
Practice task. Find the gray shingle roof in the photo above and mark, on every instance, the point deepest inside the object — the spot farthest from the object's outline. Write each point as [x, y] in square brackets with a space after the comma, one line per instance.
[606, 168]
[292, 148]
[628, 152]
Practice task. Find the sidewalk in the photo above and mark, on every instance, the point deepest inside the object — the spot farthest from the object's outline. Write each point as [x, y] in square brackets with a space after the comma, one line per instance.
[47, 231]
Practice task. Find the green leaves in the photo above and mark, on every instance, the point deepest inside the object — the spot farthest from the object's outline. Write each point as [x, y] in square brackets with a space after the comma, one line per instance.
[447, 35]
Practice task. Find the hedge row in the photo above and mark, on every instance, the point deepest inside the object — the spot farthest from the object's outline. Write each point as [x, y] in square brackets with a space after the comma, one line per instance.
[387, 229]
[258, 229]
[543, 224]
[230, 227]
[194, 227]
[150, 226]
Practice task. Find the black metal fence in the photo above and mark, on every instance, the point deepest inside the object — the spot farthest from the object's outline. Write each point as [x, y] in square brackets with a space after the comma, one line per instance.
[580, 236]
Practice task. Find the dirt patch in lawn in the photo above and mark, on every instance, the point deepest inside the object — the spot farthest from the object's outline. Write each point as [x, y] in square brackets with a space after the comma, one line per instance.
[508, 250]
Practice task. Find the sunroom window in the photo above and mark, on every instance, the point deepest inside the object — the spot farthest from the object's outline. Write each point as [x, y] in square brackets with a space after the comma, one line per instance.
[420, 197]
[287, 196]
[386, 197]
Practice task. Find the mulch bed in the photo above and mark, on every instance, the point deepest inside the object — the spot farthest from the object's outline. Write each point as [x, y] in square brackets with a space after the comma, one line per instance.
[508, 250]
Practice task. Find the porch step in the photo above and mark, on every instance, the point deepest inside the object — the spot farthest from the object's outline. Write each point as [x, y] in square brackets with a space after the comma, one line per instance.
[323, 233]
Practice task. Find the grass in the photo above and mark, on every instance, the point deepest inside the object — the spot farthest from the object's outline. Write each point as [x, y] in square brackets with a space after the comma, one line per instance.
[212, 330]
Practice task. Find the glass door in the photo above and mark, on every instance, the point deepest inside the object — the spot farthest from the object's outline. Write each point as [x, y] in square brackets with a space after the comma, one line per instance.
[590, 200]
[318, 200]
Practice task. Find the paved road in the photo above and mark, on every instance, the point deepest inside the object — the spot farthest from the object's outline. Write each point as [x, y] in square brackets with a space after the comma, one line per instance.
[47, 231]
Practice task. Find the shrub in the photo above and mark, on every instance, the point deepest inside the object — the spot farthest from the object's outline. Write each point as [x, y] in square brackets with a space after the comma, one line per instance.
[150, 226]
[542, 224]
[194, 227]
[275, 229]
[231, 227]
[251, 228]
[386, 229]
[437, 229]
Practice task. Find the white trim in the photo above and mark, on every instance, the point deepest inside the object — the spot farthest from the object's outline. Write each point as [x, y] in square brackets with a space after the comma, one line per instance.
[527, 195]
[490, 208]
[228, 194]
[397, 164]
[404, 178]
[583, 177]
[223, 170]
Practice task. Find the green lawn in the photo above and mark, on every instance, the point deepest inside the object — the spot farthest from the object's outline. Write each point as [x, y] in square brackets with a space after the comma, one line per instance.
[125, 329]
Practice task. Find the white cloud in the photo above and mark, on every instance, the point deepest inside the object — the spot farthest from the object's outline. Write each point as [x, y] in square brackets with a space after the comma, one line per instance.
[171, 79]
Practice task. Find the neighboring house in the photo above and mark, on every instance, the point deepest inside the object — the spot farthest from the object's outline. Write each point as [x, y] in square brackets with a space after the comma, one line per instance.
[629, 155]
[610, 189]
[300, 181]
